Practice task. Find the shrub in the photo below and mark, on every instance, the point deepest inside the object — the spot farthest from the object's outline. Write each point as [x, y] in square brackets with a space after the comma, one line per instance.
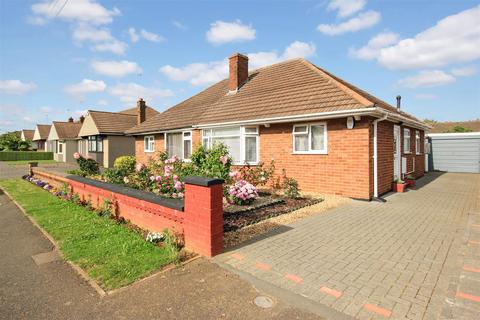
[290, 186]
[87, 166]
[258, 175]
[25, 155]
[213, 163]
[125, 164]
[242, 193]
[113, 175]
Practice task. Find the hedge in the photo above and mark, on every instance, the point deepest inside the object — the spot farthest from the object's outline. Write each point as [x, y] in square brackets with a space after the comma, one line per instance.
[25, 155]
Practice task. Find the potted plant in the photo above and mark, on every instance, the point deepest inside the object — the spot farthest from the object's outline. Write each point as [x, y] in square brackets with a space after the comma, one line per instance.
[399, 185]
[410, 180]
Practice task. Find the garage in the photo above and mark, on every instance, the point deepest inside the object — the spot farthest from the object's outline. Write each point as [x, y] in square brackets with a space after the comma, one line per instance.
[454, 152]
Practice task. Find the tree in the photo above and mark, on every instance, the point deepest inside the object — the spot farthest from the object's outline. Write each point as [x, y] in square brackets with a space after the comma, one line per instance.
[10, 141]
[460, 129]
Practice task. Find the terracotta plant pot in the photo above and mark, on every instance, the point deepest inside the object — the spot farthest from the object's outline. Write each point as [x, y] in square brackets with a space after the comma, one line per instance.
[399, 187]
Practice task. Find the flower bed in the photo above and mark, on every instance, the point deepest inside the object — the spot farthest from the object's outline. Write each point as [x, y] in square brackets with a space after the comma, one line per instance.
[237, 217]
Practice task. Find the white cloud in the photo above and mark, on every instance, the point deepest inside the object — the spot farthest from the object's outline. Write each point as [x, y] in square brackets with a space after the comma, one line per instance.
[115, 46]
[373, 47]
[46, 109]
[85, 32]
[425, 96]
[16, 87]
[223, 32]
[363, 20]
[134, 37]
[427, 78]
[36, 20]
[144, 34]
[346, 8]
[129, 93]
[179, 25]
[28, 119]
[116, 68]
[454, 39]
[102, 102]
[464, 71]
[200, 74]
[86, 86]
[84, 11]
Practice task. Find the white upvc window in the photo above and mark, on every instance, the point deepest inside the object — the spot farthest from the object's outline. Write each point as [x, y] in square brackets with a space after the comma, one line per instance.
[310, 138]
[60, 147]
[242, 142]
[149, 143]
[406, 140]
[179, 144]
[417, 142]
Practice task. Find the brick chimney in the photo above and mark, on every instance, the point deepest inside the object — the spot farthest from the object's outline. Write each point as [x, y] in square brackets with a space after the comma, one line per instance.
[141, 111]
[238, 65]
[82, 118]
[70, 119]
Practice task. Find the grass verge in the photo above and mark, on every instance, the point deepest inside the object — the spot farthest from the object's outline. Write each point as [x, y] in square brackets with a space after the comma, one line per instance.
[24, 162]
[111, 254]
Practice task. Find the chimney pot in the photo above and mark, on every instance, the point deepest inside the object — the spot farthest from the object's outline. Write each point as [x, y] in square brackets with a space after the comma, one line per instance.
[82, 118]
[70, 119]
[141, 111]
[238, 67]
[399, 98]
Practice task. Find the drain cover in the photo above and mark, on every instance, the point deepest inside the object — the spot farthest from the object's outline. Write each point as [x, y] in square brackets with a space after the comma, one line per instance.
[263, 302]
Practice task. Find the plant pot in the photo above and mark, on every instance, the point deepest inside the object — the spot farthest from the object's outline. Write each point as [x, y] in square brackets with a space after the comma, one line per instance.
[410, 182]
[399, 187]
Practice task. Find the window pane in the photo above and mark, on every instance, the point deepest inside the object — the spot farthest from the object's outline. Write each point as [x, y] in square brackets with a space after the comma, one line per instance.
[174, 144]
[186, 134]
[318, 142]
[233, 144]
[229, 131]
[251, 149]
[205, 142]
[251, 130]
[187, 146]
[300, 129]
[100, 144]
[206, 133]
[301, 142]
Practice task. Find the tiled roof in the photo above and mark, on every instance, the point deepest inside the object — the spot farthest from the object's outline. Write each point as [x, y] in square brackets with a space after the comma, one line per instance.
[149, 112]
[290, 88]
[28, 134]
[44, 130]
[118, 122]
[67, 130]
[441, 127]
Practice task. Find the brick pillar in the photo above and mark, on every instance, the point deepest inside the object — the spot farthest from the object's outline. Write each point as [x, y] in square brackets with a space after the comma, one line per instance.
[203, 223]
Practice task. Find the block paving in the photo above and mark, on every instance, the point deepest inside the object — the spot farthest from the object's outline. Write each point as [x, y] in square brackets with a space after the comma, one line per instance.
[417, 256]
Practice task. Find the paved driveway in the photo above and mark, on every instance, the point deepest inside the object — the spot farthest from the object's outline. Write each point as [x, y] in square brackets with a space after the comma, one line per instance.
[417, 256]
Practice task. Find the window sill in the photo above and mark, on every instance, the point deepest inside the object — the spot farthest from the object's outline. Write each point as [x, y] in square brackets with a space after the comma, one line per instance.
[148, 151]
[241, 164]
[310, 152]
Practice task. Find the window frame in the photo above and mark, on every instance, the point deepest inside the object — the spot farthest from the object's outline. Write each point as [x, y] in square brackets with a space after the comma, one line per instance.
[149, 141]
[405, 150]
[189, 138]
[60, 147]
[308, 132]
[98, 141]
[418, 141]
[242, 135]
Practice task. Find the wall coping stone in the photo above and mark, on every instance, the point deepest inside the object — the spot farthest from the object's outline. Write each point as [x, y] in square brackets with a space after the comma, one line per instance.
[203, 181]
[176, 204]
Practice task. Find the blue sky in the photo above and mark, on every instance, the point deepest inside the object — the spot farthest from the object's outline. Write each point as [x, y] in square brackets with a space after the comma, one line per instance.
[61, 57]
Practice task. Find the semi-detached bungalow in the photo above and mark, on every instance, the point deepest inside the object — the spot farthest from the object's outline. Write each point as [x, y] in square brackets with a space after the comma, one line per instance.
[63, 140]
[27, 135]
[102, 133]
[329, 135]
[41, 135]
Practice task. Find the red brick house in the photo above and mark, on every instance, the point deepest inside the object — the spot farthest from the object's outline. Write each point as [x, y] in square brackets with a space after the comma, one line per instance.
[331, 136]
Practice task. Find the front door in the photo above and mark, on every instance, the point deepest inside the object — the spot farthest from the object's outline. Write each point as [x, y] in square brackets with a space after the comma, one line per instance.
[396, 152]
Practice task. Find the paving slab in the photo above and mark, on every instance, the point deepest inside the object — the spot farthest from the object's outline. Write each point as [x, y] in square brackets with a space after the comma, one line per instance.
[402, 259]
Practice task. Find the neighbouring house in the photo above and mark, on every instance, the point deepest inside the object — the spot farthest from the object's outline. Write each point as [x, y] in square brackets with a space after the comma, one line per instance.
[455, 126]
[27, 135]
[63, 140]
[40, 136]
[329, 135]
[103, 133]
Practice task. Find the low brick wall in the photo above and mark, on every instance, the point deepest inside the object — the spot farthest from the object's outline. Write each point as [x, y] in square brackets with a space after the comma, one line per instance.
[199, 217]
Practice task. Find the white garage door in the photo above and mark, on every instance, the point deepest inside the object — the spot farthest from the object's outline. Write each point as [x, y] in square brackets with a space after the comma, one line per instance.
[455, 152]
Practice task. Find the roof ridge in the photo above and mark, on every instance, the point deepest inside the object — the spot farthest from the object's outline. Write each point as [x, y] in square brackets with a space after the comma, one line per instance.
[126, 114]
[361, 99]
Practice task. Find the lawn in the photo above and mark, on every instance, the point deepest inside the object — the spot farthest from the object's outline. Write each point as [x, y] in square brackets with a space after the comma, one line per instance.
[110, 253]
[23, 162]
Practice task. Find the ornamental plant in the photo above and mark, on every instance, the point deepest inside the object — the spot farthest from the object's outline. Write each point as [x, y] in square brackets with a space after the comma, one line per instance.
[258, 175]
[242, 193]
[214, 162]
[87, 166]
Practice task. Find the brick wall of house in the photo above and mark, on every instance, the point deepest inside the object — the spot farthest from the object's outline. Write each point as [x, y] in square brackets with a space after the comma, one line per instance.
[143, 156]
[344, 170]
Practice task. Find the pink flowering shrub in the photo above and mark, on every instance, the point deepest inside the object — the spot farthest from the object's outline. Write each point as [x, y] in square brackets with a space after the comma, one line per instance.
[242, 193]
